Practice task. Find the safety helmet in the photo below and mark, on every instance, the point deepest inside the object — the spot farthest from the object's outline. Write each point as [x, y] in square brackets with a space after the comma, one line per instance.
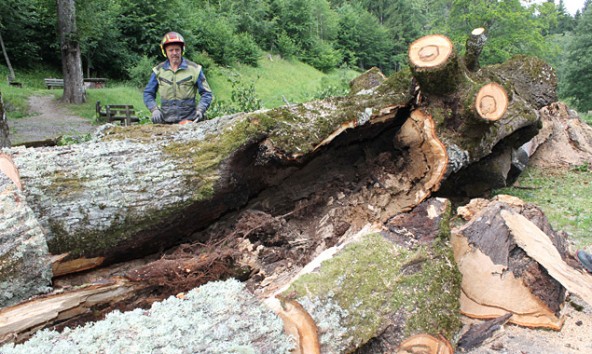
[172, 38]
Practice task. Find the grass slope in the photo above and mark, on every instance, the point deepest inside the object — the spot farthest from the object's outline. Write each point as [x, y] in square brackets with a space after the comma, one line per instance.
[565, 196]
[272, 80]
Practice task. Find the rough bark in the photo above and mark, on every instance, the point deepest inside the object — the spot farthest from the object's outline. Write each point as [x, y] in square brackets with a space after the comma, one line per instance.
[70, 48]
[380, 288]
[25, 269]
[474, 46]
[268, 191]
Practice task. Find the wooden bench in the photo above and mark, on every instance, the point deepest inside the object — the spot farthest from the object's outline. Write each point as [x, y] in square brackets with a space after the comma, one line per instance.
[51, 83]
[13, 82]
[125, 114]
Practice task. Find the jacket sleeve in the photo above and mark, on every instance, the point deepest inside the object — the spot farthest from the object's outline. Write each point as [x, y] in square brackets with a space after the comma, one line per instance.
[205, 92]
[150, 93]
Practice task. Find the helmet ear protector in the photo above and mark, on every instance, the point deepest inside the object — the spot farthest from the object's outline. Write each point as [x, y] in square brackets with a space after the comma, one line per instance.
[171, 38]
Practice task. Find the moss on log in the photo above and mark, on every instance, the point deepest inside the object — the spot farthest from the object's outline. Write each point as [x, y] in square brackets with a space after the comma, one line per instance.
[375, 283]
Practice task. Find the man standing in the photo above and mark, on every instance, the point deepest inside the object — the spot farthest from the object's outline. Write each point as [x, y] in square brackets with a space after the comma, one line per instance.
[177, 80]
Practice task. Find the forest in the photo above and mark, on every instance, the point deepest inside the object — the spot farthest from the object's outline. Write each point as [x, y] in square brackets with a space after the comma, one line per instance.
[119, 39]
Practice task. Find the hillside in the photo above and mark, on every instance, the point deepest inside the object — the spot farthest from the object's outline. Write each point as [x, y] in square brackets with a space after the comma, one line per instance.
[272, 80]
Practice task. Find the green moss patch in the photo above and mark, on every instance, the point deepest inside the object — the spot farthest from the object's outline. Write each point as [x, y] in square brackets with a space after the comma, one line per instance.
[373, 279]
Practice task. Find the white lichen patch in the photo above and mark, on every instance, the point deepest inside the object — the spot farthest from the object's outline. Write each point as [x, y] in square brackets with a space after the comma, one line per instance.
[219, 317]
[25, 268]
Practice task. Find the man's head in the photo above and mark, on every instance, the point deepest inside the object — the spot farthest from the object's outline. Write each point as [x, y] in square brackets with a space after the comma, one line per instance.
[170, 40]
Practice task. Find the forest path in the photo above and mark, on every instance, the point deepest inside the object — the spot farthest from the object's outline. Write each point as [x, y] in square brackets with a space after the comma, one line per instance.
[48, 120]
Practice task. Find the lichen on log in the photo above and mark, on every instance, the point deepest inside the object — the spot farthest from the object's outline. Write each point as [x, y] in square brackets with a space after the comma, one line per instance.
[25, 267]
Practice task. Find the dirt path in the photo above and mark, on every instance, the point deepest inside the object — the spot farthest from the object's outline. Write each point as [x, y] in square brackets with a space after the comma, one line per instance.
[48, 120]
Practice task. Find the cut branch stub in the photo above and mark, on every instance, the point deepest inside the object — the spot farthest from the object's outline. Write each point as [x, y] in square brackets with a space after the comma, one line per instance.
[491, 102]
[474, 46]
[434, 64]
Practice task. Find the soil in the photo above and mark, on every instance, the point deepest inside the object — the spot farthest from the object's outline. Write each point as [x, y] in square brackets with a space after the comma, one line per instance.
[48, 121]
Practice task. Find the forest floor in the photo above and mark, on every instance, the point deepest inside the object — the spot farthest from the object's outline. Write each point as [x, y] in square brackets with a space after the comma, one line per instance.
[49, 120]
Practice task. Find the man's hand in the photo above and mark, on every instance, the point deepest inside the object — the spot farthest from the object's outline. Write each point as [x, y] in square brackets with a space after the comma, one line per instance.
[157, 117]
[198, 116]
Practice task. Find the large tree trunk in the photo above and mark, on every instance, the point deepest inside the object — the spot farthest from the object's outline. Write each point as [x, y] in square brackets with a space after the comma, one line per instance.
[266, 192]
[70, 49]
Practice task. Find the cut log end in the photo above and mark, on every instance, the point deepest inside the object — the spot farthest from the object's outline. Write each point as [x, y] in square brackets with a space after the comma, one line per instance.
[478, 31]
[491, 102]
[425, 343]
[430, 51]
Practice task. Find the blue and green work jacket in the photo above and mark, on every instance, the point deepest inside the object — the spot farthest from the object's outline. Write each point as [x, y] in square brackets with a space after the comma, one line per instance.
[177, 90]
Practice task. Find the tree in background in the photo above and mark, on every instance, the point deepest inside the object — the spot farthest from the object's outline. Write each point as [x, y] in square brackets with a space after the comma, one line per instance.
[511, 28]
[24, 31]
[101, 46]
[578, 72]
[70, 49]
[363, 41]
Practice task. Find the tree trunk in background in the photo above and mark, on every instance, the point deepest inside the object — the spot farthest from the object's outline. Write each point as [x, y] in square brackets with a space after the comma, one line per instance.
[70, 48]
[10, 70]
[4, 140]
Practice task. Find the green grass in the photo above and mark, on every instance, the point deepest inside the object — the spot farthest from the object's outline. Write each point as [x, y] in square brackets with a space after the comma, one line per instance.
[565, 196]
[275, 79]
[272, 80]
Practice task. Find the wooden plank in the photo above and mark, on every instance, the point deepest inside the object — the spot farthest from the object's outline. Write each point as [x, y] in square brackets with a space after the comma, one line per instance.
[540, 248]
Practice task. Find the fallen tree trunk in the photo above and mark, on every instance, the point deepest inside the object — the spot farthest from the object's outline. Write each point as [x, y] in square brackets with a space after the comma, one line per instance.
[282, 184]
[140, 189]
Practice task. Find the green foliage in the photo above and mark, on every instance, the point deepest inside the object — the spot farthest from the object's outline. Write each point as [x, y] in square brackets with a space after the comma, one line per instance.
[511, 28]
[242, 98]
[362, 39]
[333, 86]
[71, 140]
[323, 56]
[578, 69]
[286, 46]
[245, 49]
[140, 72]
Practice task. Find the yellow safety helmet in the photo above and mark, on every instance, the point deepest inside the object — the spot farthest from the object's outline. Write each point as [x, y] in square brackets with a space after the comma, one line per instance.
[171, 38]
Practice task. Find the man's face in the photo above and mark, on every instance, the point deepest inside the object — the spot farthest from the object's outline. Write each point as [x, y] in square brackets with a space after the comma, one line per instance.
[174, 53]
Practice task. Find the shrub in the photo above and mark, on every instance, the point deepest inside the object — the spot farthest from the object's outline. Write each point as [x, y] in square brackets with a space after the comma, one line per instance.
[140, 72]
[323, 56]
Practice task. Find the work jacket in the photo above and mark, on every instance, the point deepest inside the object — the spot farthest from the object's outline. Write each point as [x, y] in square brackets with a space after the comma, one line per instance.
[177, 90]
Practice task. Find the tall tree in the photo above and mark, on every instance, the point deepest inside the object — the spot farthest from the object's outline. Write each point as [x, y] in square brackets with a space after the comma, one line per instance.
[511, 28]
[70, 49]
[578, 71]
[362, 39]
[10, 69]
